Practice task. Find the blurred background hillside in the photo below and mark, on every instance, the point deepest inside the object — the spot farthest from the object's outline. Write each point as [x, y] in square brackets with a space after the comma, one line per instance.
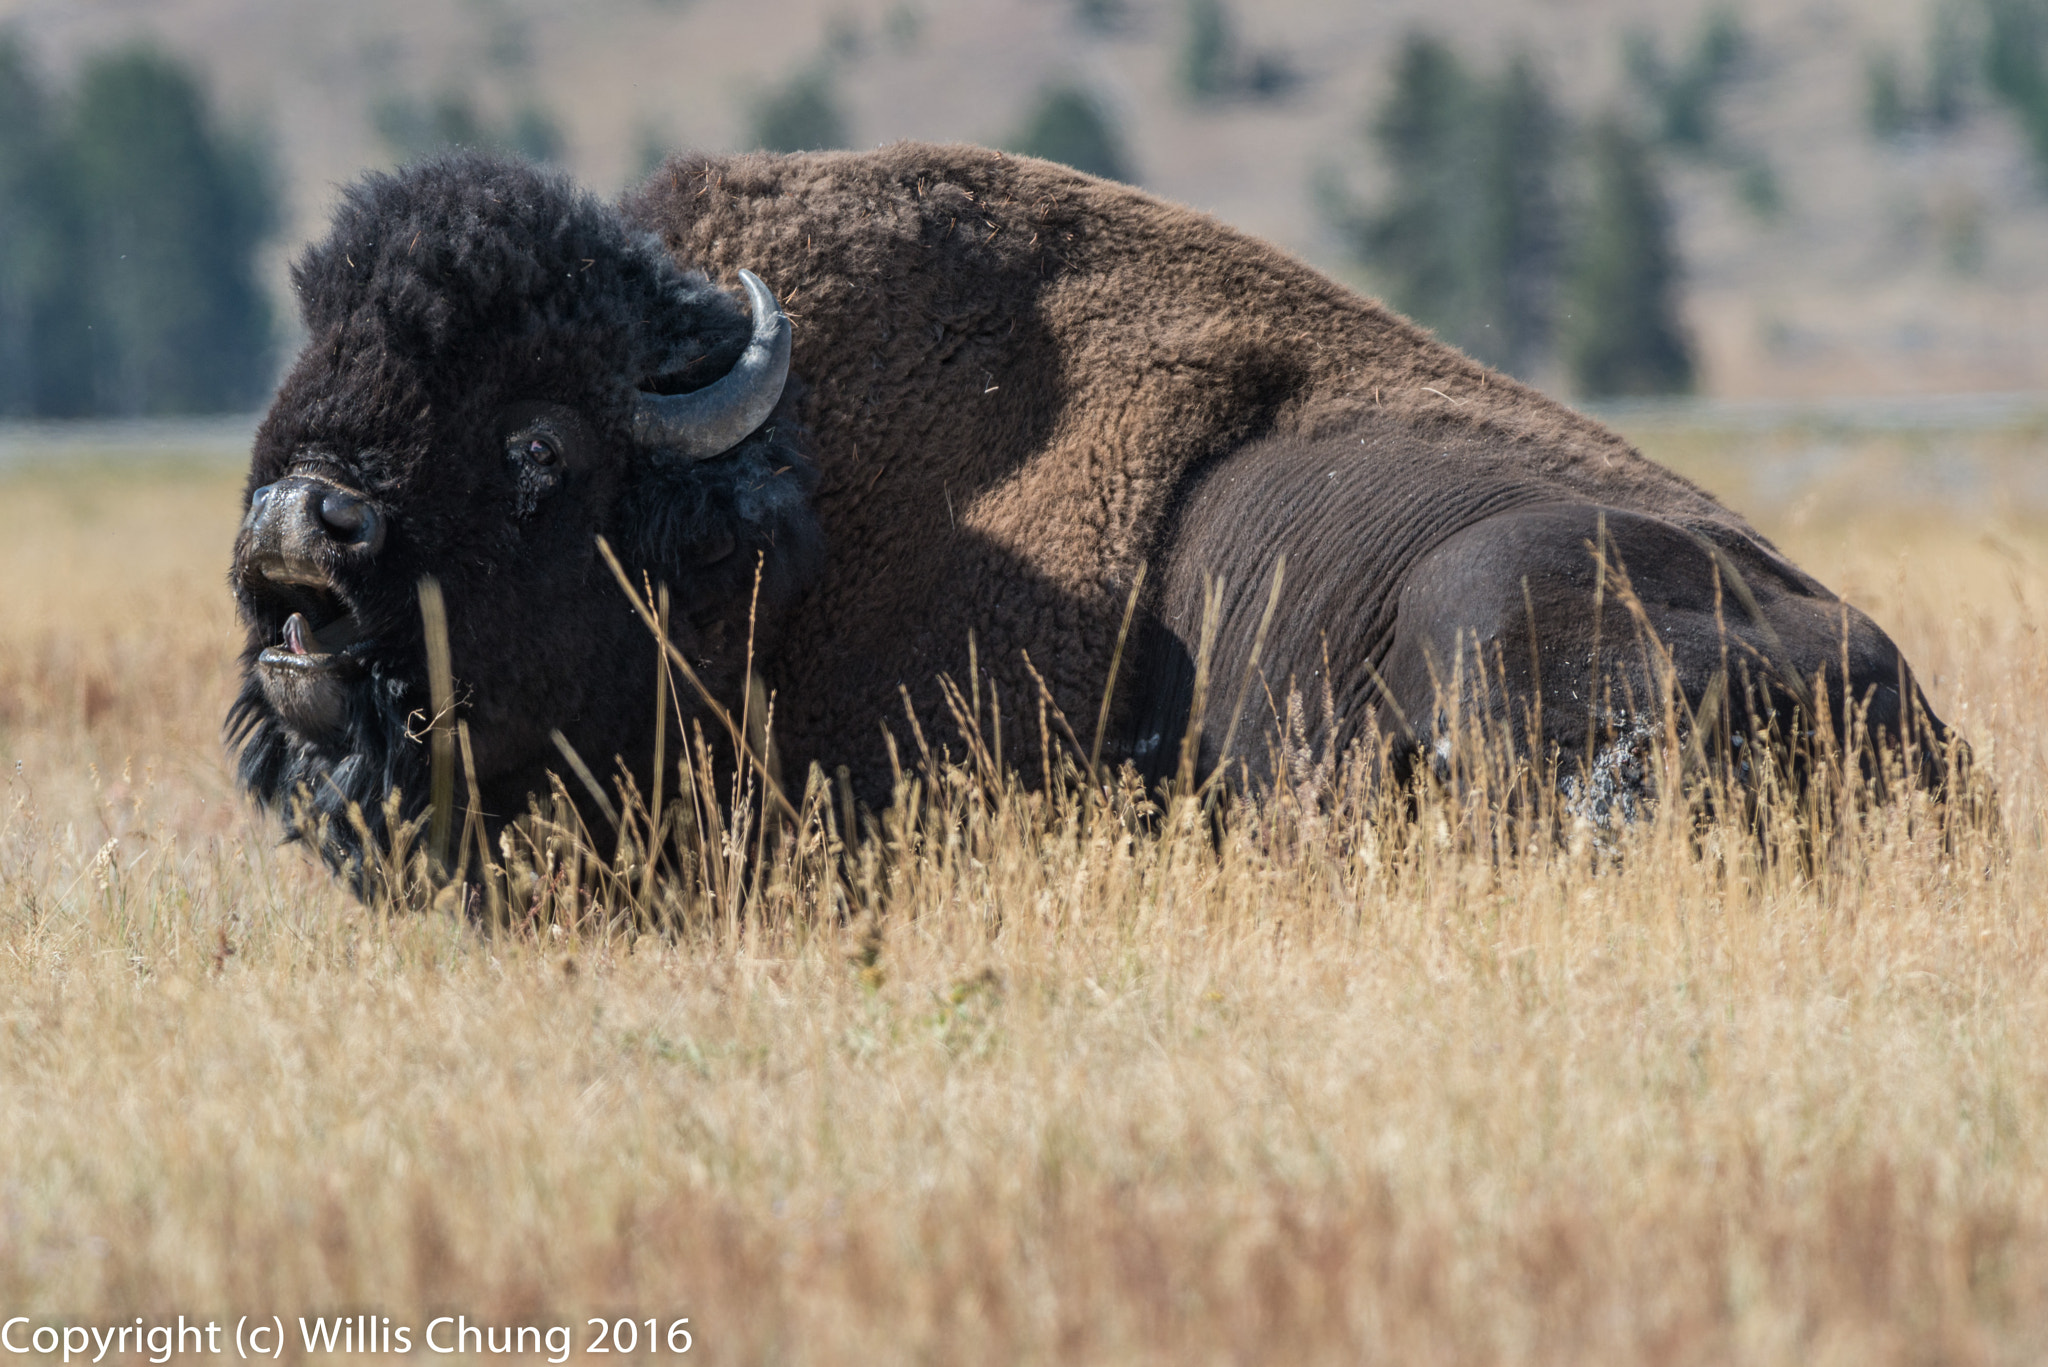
[1790, 200]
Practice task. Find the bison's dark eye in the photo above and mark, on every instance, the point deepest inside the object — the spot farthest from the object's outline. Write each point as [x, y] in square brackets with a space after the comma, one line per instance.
[537, 448]
[536, 459]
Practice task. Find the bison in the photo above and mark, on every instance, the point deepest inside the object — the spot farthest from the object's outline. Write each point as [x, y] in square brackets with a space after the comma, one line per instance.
[993, 390]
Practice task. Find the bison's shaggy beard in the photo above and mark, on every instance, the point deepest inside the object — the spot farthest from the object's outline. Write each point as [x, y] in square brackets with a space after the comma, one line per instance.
[337, 796]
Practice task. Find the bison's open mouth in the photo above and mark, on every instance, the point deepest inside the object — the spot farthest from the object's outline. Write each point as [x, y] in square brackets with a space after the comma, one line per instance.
[305, 646]
[307, 672]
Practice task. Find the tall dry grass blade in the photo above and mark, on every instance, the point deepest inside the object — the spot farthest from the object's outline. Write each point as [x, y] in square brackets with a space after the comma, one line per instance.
[656, 809]
[1198, 702]
[733, 726]
[995, 726]
[844, 776]
[974, 678]
[924, 748]
[968, 723]
[589, 779]
[441, 696]
[470, 808]
[1595, 688]
[1676, 713]
[1046, 697]
[1116, 660]
[1707, 723]
[761, 708]
[1745, 596]
[754, 709]
[1535, 665]
[1379, 685]
[473, 821]
[706, 818]
[1251, 669]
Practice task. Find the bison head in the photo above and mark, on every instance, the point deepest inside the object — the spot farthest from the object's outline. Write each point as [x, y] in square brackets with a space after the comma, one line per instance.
[498, 371]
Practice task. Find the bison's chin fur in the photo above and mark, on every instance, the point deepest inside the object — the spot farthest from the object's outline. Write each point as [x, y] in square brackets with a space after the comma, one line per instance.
[341, 794]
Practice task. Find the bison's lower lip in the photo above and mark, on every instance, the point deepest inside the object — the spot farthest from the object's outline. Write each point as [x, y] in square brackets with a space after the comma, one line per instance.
[277, 657]
[308, 692]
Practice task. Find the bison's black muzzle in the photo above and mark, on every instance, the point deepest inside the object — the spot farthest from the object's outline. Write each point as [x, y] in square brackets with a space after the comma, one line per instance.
[294, 524]
[298, 533]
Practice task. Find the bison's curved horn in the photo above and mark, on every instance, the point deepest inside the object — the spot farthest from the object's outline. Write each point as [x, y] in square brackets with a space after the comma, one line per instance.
[710, 421]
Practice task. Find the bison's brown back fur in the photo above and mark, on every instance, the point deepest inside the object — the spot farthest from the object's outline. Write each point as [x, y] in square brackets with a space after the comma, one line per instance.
[1012, 368]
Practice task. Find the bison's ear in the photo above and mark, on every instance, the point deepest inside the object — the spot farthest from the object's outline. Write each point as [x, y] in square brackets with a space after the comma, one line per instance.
[708, 422]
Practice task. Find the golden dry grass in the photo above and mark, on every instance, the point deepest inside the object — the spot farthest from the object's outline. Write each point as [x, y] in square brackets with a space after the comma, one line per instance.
[1313, 1093]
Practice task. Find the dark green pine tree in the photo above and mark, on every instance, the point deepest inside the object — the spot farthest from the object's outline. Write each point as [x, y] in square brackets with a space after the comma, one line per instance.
[1685, 98]
[414, 128]
[2016, 66]
[1207, 61]
[1068, 124]
[803, 115]
[1517, 263]
[1886, 107]
[32, 234]
[1421, 244]
[170, 213]
[534, 134]
[1951, 63]
[1621, 331]
[1466, 241]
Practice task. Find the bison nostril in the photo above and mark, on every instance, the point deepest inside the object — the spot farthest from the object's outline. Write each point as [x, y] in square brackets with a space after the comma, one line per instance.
[259, 503]
[350, 520]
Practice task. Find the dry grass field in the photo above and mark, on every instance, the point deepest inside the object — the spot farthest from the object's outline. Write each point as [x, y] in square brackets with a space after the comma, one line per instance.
[1328, 1089]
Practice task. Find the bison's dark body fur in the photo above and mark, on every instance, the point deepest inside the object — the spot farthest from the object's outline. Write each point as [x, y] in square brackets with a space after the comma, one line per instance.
[1477, 595]
[1015, 384]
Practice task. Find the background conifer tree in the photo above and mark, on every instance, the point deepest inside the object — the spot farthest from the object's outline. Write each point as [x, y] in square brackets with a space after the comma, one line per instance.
[31, 235]
[1466, 238]
[802, 115]
[1068, 124]
[1518, 259]
[1213, 64]
[2016, 66]
[1621, 331]
[169, 214]
[1422, 243]
[1469, 235]
[415, 128]
[1685, 96]
[1208, 50]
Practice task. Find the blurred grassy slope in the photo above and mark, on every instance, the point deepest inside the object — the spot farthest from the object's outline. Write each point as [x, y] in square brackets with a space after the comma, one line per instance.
[1855, 289]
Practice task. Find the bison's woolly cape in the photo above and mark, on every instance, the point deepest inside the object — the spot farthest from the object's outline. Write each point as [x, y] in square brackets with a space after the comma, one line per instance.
[1014, 372]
